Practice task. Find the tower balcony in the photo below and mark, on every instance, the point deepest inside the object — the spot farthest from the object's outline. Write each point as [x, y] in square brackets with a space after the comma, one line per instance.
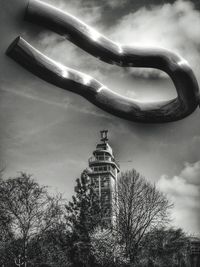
[103, 159]
[102, 170]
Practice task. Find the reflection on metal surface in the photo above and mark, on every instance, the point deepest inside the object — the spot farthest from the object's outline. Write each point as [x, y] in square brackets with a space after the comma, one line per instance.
[113, 53]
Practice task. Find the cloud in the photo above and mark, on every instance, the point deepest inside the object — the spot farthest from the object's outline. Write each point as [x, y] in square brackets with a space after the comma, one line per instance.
[192, 172]
[63, 103]
[116, 3]
[184, 191]
[172, 26]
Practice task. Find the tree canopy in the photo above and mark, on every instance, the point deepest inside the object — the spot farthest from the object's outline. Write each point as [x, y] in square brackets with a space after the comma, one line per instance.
[48, 230]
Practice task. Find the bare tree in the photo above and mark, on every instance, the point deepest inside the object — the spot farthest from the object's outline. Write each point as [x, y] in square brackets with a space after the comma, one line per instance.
[139, 208]
[28, 206]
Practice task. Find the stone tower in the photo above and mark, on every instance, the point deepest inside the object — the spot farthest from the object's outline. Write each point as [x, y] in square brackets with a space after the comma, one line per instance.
[103, 173]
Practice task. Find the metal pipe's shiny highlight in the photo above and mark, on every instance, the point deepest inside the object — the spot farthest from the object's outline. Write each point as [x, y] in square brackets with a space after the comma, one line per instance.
[101, 47]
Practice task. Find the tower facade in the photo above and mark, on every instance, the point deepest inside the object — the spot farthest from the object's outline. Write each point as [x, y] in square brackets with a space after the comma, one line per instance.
[103, 174]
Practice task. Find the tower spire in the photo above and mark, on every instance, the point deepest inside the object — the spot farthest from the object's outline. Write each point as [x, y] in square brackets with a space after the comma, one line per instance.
[104, 136]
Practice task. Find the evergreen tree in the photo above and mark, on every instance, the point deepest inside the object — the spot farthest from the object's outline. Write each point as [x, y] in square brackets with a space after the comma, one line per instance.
[83, 216]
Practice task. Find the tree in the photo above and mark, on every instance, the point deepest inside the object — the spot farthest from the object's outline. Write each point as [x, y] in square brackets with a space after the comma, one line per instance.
[29, 207]
[165, 247]
[6, 234]
[51, 247]
[83, 216]
[5, 225]
[106, 248]
[140, 207]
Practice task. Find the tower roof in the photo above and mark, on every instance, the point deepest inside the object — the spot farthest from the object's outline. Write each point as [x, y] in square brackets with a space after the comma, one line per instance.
[104, 146]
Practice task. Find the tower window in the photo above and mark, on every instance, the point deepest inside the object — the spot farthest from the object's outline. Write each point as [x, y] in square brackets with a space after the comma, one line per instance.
[106, 198]
[106, 183]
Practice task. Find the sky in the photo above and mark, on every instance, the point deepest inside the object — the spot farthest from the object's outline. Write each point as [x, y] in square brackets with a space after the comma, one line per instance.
[50, 133]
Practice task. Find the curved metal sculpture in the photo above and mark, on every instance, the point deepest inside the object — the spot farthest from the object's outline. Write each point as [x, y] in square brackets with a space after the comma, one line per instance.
[101, 47]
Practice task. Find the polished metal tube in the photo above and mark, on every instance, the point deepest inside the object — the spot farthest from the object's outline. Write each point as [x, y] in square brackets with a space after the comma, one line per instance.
[101, 47]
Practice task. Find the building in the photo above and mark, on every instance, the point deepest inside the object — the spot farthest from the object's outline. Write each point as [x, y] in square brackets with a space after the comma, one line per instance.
[103, 173]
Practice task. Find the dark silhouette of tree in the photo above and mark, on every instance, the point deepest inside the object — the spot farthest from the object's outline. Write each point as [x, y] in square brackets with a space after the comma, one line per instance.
[29, 207]
[140, 207]
[165, 247]
[6, 234]
[83, 216]
[49, 231]
[52, 247]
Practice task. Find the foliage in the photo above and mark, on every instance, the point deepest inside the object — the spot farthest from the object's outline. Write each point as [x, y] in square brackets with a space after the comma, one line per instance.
[165, 247]
[51, 248]
[139, 208]
[29, 209]
[83, 216]
[51, 232]
[106, 248]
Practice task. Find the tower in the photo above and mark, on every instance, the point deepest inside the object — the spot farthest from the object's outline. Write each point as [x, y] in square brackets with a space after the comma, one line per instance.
[103, 174]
